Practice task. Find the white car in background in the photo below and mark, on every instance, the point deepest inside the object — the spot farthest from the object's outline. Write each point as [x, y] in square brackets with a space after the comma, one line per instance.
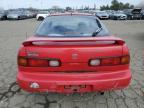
[42, 15]
[102, 15]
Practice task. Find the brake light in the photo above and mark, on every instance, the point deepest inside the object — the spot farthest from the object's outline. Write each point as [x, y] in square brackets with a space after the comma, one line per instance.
[22, 61]
[110, 61]
[37, 63]
[125, 59]
[34, 62]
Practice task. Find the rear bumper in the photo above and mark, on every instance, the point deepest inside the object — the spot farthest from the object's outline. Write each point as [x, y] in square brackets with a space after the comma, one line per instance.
[122, 18]
[104, 18]
[57, 82]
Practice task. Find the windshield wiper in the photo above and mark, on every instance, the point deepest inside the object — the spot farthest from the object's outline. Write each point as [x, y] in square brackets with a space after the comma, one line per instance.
[97, 32]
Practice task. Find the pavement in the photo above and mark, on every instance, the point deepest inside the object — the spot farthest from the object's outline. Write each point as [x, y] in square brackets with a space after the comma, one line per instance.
[12, 33]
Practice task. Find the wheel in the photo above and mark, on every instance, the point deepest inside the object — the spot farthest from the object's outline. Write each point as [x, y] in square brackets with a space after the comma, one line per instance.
[5, 17]
[101, 93]
[40, 18]
[129, 18]
[19, 17]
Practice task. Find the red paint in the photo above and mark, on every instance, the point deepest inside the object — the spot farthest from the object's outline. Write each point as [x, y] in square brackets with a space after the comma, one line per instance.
[74, 74]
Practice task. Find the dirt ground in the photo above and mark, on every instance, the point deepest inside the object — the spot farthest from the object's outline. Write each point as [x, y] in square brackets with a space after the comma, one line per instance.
[12, 33]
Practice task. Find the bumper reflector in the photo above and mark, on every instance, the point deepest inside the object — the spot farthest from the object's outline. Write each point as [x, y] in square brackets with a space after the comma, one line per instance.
[34, 85]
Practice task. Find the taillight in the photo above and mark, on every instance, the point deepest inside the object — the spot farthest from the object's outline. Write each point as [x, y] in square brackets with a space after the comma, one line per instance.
[110, 61]
[34, 62]
[37, 63]
[125, 59]
[22, 61]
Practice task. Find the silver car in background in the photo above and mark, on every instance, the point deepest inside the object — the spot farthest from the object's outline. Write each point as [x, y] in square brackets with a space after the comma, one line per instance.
[118, 15]
[102, 15]
[3, 15]
[17, 15]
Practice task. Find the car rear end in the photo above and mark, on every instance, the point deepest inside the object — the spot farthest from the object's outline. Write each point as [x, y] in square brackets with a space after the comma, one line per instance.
[102, 15]
[121, 16]
[76, 64]
[137, 13]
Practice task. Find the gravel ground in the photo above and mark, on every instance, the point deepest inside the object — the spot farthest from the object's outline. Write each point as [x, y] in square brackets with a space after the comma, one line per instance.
[12, 33]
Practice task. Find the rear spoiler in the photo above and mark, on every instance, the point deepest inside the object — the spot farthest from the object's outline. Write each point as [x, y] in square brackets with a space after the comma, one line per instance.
[74, 42]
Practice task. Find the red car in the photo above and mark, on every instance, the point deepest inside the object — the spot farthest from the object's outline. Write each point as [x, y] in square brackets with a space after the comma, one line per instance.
[73, 53]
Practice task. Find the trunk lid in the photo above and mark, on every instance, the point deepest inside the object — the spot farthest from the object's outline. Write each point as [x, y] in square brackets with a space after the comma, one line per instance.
[73, 52]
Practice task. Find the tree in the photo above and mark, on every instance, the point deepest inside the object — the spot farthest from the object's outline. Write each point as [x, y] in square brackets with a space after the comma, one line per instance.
[105, 8]
[68, 8]
[128, 6]
[116, 5]
[121, 6]
[86, 8]
[55, 7]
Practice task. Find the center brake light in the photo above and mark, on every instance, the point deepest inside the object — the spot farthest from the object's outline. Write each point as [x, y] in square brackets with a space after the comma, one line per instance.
[110, 61]
[34, 62]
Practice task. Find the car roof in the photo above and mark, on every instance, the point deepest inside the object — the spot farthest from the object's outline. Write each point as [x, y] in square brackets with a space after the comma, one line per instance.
[71, 14]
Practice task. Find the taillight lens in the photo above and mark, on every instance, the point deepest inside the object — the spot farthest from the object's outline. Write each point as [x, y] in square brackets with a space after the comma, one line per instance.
[37, 63]
[125, 60]
[22, 61]
[110, 61]
[33, 62]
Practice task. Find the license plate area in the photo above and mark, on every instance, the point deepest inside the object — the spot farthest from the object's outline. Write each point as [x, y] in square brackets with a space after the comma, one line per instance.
[76, 88]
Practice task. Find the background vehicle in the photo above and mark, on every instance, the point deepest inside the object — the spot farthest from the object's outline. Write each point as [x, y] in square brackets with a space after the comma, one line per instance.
[3, 15]
[118, 15]
[29, 14]
[133, 14]
[102, 15]
[142, 14]
[73, 53]
[16, 14]
[42, 15]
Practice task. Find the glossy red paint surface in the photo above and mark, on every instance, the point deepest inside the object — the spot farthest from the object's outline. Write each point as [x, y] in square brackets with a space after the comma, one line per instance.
[74, 74]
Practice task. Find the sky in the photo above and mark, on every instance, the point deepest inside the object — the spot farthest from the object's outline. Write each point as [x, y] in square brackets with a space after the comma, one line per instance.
[7, 4]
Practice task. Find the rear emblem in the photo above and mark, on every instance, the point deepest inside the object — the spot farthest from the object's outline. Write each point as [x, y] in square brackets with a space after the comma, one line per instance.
[32, 54]
[74, 56]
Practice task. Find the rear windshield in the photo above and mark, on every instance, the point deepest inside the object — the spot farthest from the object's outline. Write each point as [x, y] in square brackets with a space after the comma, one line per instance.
[71, 26]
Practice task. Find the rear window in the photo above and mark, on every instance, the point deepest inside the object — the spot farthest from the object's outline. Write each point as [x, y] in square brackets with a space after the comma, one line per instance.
[71, 26]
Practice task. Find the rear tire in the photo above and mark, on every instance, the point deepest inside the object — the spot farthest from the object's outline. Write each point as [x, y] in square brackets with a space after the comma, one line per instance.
[101, 93]
[19, 17]
[40, 18]
[130, 18]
